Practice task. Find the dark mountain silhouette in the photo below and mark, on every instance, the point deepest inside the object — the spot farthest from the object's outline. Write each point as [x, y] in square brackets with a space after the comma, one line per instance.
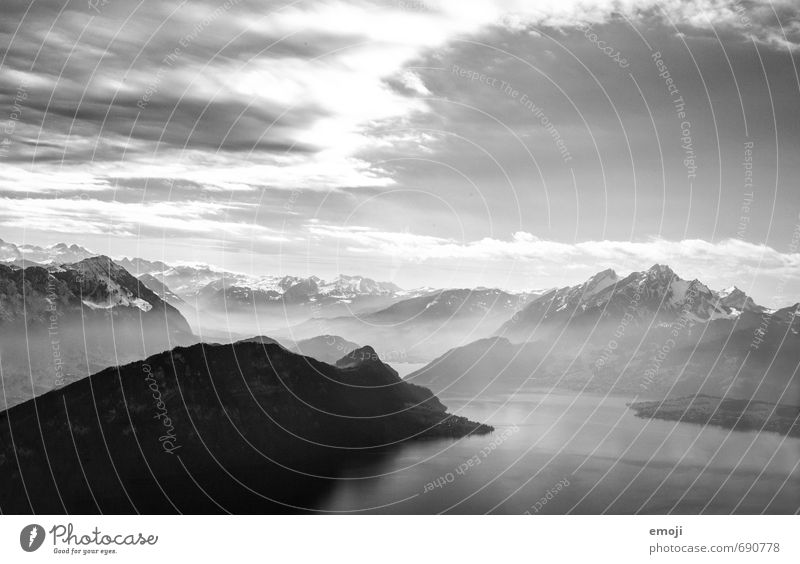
[62, 323]
[249, 427]
[262, 339]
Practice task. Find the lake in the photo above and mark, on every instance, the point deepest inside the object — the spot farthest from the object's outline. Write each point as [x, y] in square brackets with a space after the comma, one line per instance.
[568, 452]
[405, 368]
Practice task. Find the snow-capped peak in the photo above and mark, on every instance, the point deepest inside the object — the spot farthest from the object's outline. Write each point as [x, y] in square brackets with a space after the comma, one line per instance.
[735, 299]
[599, 282]
[54, 254]
[103, 286]
[348, 286]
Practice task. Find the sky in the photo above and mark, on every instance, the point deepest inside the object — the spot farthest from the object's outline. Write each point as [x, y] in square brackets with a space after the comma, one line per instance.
[451, 144]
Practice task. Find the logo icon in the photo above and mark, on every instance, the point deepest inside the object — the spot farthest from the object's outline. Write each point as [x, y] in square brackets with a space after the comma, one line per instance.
[31, 537]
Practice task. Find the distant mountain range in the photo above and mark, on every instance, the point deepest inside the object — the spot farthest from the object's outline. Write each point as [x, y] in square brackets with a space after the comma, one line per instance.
[214, 287]
[413, 325]
[246, 428]
[243, 304]
[420, 328]
[262, 425]
[60, 323]
[209, 284]
[656, 296]
[325, 348]
[57, 254]
[650, 333]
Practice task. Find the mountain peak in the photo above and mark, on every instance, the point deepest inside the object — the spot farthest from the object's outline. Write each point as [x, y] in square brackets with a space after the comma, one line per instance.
[262, 340]
[730, 291]
[59, 253]
[599, 282]
[358, 357]
[736, 299]
[661, 270]
[98, 262]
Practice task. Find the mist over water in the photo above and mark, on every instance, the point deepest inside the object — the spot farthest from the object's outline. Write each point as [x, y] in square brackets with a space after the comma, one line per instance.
[613, 462]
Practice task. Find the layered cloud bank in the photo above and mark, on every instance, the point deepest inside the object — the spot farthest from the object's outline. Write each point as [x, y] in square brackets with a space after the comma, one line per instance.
[273, 83]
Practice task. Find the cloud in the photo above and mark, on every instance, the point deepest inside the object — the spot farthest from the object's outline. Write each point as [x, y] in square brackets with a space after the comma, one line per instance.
[733, 257]
[89, 216]
[260, 81]
[16, 179]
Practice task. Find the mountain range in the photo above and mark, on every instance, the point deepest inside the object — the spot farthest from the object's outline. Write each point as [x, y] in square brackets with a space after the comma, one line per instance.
[246, 428]
[212, 299]
[420, 328]
[656, 296]
[114, 405]
[60, 323]
[403, 325]
[325, 348]
[649, 334]
[219, 289]
[55, 254]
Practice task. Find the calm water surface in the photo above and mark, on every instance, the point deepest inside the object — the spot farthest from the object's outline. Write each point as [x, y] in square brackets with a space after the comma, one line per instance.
[582, 453]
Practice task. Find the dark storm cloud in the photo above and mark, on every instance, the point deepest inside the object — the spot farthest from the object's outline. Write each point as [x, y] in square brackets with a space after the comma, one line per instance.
[130, 72]
[494, 91]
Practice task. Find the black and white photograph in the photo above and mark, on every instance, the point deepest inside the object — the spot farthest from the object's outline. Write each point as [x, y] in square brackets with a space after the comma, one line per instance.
[399, 257]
